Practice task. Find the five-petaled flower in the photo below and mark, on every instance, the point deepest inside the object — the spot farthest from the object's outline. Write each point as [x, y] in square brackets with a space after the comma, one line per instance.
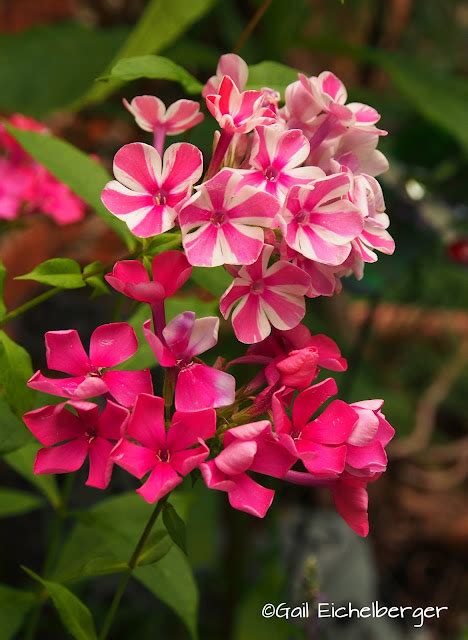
[222, 223]
[265, 296]
[69, 438]
[148, 189]
[90, 376]
[166, 455]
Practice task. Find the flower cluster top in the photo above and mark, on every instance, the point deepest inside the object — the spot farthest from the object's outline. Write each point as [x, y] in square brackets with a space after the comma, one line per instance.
[288, 205]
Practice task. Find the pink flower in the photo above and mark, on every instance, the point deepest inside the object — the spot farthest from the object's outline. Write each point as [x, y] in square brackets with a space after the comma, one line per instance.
[320, 443]
[275, 158]
[166, 455]
[170, 271]
[265, 296]
[230, 65]
[198, 386]
[366, 455]
[318, 222]
[55, 199]
[150, 114]
[325, 279]
[111, 344]
[357, 151]
[221, 223]
[69, 438]
[148, 190]
[238, 112]
[251, 447]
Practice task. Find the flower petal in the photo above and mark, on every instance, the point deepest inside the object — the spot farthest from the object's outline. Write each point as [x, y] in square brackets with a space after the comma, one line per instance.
[100, 463]
[64, 458]
[112, 344]
[146, 424]
[200, 387]
[65, 352]
[161, 481]
[125, 386]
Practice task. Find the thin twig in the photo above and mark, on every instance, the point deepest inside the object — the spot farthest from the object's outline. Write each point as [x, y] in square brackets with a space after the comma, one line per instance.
[247, 32]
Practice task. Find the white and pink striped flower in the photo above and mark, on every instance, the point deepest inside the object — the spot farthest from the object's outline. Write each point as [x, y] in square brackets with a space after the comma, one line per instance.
[318, 222]
[230, 65]
[275, 159]
[148, 190]
[265, 296]
[222, 223]
[150, 114]
[236, 111]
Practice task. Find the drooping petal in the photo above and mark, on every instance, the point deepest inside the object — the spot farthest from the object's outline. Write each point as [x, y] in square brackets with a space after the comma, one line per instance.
[201, 387]
[371, 457]
[64, 458]
[80, 387]
[186, 461]
[100, 463]
[125, 386]
[53, 424]
[146, 424]
[251, 497]
[112, 344]
[162, 479]
[320, 460]
[237, 457]
[351, 502]
[65, 352]
[214, 478]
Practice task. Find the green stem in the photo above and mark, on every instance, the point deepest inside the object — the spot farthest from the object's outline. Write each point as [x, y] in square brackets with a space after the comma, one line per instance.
[60, 515]
[132, 563]
[30, 304]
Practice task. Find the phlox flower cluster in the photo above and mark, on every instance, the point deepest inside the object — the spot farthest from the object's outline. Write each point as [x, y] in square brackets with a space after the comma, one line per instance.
[289, 204]
[26, 187]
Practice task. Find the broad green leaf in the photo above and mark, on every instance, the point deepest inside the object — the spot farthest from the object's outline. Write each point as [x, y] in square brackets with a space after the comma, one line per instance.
[2, 283]
[84, 175]
[213, 279]
[15, 371]
[57, 272]
[22, 461]
[275, 75]
[160, 25]
[175, 526]
[13, 432]
[107, 531]
[50, 52]
[75, 616]
[155, 67]
[14, 502]
[158, 544]
[14, 605]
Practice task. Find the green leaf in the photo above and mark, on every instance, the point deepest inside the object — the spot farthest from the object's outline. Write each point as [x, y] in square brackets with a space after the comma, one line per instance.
[271, 74]
[15, 371]
[75, 616]
[102, 567]
[57, 272]
[14, 605]
[2, 284]
[22, 461]
[14, 502]
[213, 279]
[162, 22]
[13, 432]
[27, 58]
[175, 526]
[155, 67]
[84, 175]
[107, 531]
[158, 544]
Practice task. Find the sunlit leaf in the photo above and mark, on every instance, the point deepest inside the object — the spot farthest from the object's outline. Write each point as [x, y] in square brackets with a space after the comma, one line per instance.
[154, 67]
[57, 272]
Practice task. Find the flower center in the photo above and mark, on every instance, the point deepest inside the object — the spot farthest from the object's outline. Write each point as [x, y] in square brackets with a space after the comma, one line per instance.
[160, 199]
[90, 434]
[164, 455]
[271, 174]
[218, 218]
[257, 287]
[303, 217]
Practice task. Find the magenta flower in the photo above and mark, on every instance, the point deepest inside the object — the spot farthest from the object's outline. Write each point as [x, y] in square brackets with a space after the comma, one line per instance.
[318, 222]
[265, 296]
[251, 447]
[170, 271]
[198, 386]
[230, 65]
[320, 443]
[221, 223]
[366, 455]
[275, 158]
[238, 112]
[111, 344]
[148, 190]
[69, 438]
[169, 455]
